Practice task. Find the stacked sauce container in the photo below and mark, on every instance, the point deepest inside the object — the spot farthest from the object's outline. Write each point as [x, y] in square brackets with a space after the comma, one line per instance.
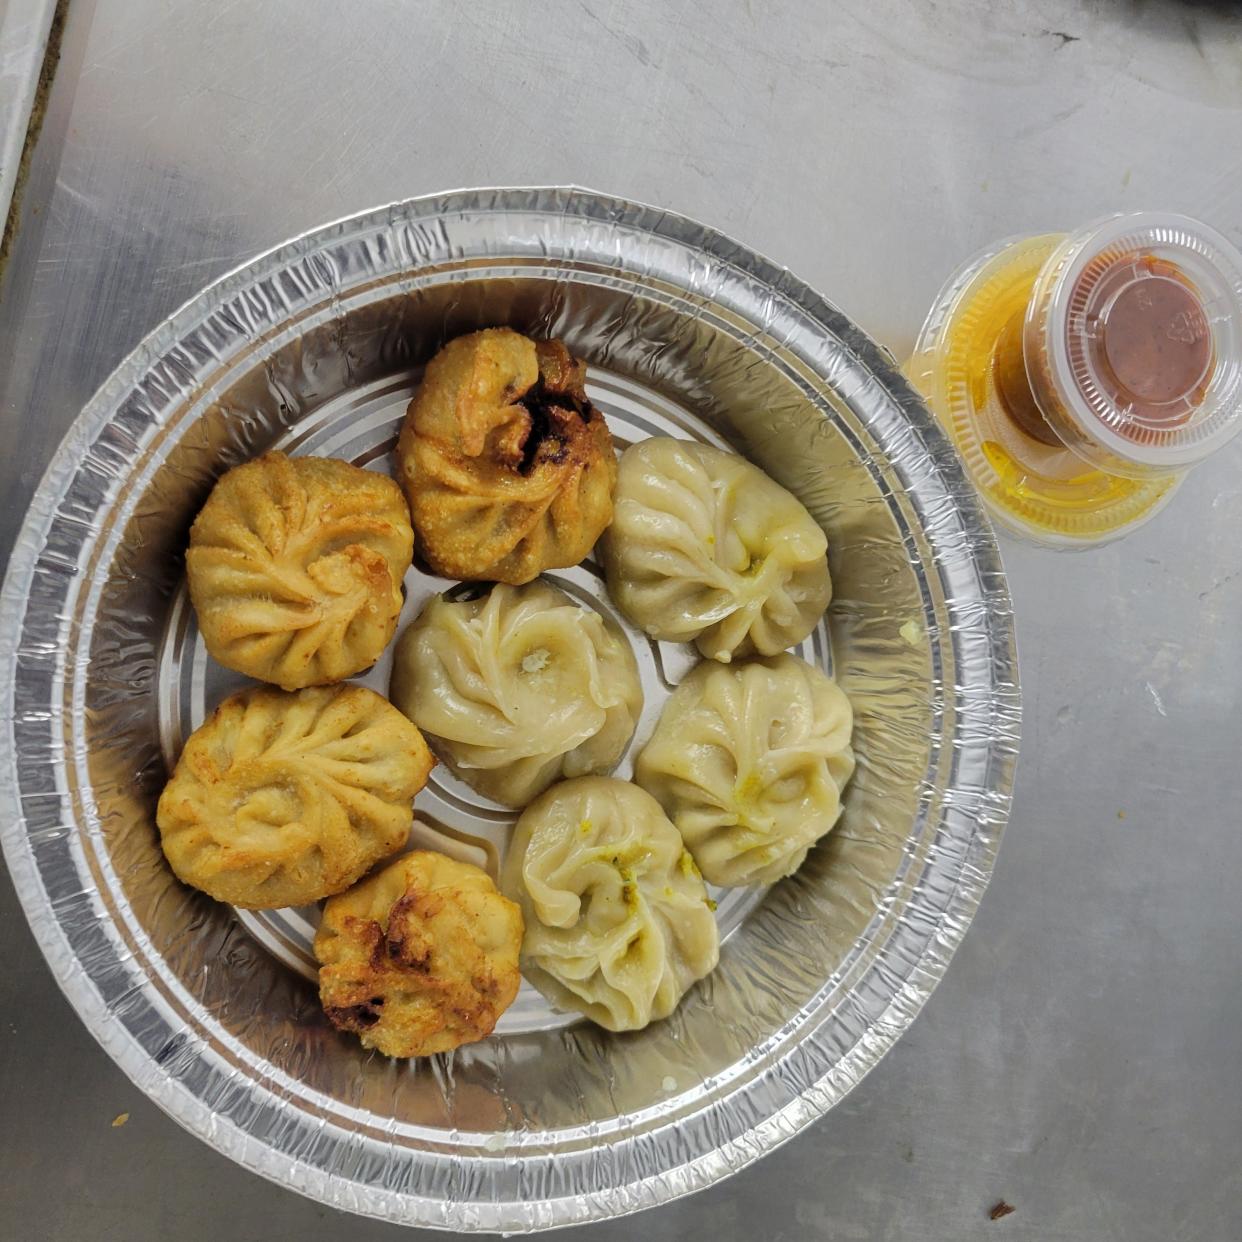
[1081, 375]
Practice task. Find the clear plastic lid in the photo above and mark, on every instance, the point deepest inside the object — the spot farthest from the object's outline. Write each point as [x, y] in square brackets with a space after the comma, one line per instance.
[1133, 342]
[968, 362]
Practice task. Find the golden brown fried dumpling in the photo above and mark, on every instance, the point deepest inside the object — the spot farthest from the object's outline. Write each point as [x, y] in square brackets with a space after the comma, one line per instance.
[295, 567]
[705, 547]
[618, 921]
[421, 958]
[507, 465]
[518, 689]
[749, 762]
[281, 799]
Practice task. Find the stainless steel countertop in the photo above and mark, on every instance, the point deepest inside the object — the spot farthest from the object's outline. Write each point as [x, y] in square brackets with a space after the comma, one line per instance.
[24, 28]
[1083, 1058]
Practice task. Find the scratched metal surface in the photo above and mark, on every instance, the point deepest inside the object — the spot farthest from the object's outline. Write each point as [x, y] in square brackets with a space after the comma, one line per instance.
[1082, 1057]
[24, 26]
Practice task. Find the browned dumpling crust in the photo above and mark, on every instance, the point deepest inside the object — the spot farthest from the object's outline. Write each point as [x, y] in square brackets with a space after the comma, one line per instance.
[282, 799]
[295, 568]
[421, 958]
[508, 467]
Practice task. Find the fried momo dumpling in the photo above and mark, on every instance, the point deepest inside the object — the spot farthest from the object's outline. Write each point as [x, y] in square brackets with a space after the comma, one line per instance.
[705, 547]
[518, 689]
[421, 958]
[618, 921]
[507, 465]
[295, 567]
[749, 761]
[280, 799]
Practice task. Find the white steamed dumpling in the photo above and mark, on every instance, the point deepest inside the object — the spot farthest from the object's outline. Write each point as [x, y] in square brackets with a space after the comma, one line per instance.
[705, 547]
[518, 689]
[749, 761]
[618, 920]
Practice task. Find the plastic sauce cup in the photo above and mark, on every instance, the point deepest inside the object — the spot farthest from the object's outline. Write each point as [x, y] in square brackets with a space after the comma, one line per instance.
[1081, 375]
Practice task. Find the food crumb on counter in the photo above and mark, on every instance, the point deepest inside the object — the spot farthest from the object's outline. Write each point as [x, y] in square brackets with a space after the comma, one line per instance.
[119, 1120]
[1001, 1209]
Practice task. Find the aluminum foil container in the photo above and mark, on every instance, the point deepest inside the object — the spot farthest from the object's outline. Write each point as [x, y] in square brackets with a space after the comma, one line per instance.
[316, 347]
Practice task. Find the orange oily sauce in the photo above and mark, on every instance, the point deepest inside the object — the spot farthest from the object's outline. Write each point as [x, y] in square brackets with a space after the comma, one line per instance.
[1030, 475]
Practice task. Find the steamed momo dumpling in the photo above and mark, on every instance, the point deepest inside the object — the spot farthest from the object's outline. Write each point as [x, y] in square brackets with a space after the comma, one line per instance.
[295, 567]
[618, 921]
[281, 799]
[749, 762]
[518, 689]
[705, 547]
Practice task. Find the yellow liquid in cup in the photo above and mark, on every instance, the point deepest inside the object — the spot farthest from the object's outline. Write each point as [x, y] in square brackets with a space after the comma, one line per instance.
[1040, 490]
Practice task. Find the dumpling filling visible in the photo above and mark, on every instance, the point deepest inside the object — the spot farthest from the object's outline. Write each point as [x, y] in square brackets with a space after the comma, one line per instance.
[420, 958]
[507, 465]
